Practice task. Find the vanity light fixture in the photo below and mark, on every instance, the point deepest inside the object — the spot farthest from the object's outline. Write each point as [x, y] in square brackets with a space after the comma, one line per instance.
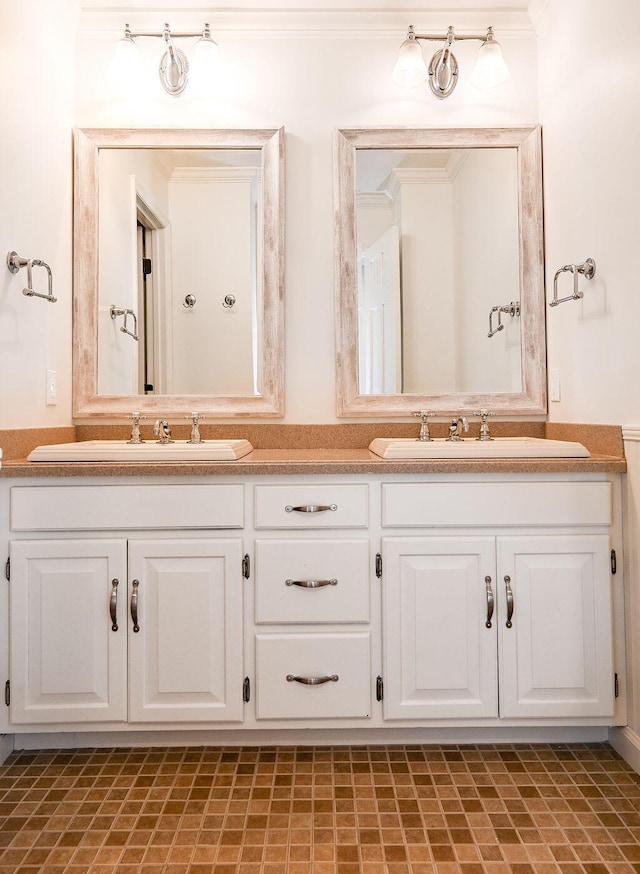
[442, 72]
[174, 65]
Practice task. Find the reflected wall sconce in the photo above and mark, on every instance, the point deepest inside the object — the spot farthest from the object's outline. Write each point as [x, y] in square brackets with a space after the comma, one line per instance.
[442, 72]
[174, 64]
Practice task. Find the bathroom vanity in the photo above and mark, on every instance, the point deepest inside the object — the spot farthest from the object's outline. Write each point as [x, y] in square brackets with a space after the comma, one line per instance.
[317, 590]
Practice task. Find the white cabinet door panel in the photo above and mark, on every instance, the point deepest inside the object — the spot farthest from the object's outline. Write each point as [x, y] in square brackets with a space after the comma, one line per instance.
[439, 654]
[556, 659]
[67, 662]
[185, 662]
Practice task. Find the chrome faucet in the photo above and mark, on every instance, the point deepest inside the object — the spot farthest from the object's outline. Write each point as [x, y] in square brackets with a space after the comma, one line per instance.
[454, 428]
[161, 429]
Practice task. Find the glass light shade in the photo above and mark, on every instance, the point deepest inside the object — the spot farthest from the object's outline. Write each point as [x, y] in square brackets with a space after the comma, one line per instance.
[410, 69]
[205, 64]
[125, 69]
[490, 69]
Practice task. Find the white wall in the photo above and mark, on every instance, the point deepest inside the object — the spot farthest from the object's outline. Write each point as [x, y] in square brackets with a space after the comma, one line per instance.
[37, 107]
[311, 84]
[589, 73]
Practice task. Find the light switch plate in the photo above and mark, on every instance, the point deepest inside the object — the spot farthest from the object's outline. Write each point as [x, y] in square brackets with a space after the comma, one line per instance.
[52, 388]
[554, 385]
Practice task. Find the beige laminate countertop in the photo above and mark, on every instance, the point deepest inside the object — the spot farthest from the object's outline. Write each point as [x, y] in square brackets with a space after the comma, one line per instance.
[265, 462]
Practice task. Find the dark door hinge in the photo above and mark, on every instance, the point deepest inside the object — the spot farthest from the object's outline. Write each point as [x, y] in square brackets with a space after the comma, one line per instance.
[246, 566]
[7, 693]
[378, 565]
[614, 562]
[246, 690]
[146, 266]
[379, 689]
[7, 568]
[616, 686]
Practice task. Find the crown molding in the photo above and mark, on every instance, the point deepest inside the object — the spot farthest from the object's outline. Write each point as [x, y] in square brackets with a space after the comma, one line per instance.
[372, 21]
[374, 200]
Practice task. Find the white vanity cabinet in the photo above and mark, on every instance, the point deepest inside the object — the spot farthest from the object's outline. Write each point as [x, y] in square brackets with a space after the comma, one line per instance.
[260, 604]
[497, 625]
[125, 630]
[535, 625]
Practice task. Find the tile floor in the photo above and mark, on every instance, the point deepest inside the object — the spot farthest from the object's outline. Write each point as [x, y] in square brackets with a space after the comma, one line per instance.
[528, 809]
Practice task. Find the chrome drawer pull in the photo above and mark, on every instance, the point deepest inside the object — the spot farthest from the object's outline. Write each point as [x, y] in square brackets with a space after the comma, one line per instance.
[134, 605]
[311, 508]
[312, 681]
[311, 584]
[490, 602]
[113, 605]
[507, 582]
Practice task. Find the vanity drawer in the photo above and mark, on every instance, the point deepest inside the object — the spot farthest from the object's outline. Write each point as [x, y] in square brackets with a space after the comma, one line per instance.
[312, 506]
[319, 656]
[496, 503]
[340, 568]
[90, 508]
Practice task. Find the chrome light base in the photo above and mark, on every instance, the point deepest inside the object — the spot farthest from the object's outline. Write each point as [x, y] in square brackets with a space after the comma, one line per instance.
[443, 73]
[174, 70]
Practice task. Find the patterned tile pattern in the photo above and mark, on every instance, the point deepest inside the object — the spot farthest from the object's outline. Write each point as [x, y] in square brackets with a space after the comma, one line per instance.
[527, 809]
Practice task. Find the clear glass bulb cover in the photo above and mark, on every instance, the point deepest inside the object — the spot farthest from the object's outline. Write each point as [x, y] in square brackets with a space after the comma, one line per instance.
[205, 63]
[126, 65]
[410, 69]
[490, 69]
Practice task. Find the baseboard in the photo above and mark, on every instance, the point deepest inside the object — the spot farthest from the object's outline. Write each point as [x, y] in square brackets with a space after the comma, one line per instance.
[627, 744]
[313, 737]
[6, 746]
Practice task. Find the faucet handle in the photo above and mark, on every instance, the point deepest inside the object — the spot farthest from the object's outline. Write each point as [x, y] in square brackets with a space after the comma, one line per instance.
[423, 415]
[195, 419]
[135, 427]
[484, 425]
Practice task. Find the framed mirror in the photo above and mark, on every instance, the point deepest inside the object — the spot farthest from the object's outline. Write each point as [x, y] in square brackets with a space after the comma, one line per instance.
[178, 272]
[439, 269]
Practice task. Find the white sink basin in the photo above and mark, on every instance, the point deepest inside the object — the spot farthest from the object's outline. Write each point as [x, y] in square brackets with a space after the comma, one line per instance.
[499, 447]
[120, 450]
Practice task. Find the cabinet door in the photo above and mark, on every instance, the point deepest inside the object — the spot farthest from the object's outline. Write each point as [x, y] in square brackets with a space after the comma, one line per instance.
[185, 661]
[439, 654]
[556, 658]
[68, 660]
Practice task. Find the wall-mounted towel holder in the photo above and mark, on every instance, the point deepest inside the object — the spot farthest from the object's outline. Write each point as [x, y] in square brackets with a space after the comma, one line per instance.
[16, 263]
[115, 311]
[586, 269]
[511, 309]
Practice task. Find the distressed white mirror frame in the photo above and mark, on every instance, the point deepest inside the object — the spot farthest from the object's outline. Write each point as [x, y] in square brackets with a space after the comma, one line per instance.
[86, 400]
[532, 400]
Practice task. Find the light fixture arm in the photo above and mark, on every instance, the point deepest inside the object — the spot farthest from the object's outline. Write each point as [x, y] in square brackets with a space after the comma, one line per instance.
[450, 35]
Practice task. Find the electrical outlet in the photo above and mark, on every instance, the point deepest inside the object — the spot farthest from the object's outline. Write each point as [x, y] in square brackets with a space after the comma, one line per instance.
[52, 388]
[554, 385]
